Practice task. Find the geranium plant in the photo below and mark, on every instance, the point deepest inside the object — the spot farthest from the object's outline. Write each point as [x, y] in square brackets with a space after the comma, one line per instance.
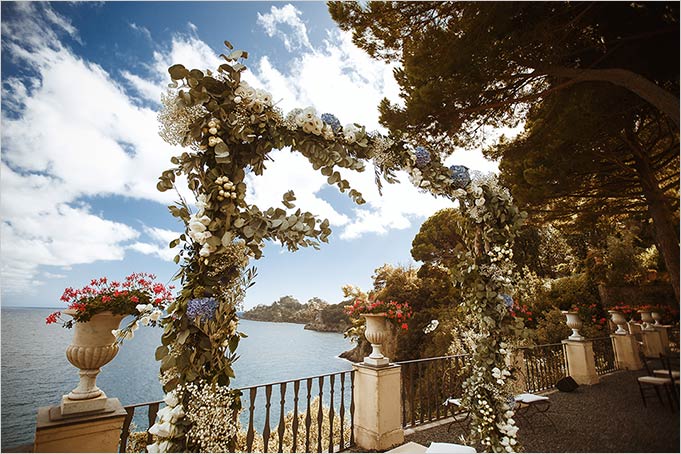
[137, 295]
[397, 313]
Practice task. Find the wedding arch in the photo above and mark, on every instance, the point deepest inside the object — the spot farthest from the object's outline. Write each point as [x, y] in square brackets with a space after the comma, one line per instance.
[229, 128]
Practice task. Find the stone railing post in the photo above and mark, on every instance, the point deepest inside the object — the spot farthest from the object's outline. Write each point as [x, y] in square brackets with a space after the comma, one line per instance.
[518, 363]
[664, 335]
[85, 432]
[378, 407]
[581, 361]
[626, 351]
[652, 343]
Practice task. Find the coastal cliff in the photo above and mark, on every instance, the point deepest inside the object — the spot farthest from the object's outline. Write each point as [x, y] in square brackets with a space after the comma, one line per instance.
[316, 314]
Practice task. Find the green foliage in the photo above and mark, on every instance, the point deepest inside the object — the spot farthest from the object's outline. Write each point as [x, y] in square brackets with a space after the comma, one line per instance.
[438, 238]
[593, 82]
[552, 328]
[575, 290]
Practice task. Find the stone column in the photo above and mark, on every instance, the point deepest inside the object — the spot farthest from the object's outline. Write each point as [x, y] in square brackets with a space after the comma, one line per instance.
[652, 343]
[86, 432]
[626, 352]
[378, 407]
[664, 335]
[581, 361]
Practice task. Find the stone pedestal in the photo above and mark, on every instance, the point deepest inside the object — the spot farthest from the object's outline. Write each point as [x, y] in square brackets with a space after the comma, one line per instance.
[73, 407]
[378, 407]
[581, 361]
[664, 335]
[652, 343]
[84, 432]
[626, 352]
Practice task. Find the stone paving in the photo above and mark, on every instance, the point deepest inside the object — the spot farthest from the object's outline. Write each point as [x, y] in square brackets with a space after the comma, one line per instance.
[606, 417]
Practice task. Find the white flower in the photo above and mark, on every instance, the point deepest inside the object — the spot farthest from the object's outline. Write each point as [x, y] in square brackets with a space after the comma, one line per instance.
[509, 449]
[213, 131]
[258, 107]
[164, 414]
[116, 332]
[163, 430]
[212, 141]
[459, 193]
[237, 99]
[206, 250]
[350, 137]
[141, 308]
[155, 315]
[176, 413]
[145, 320]
[196, 226]
[496, 373]
[479, 202]
[264, 97]
[171, 399]
[309, 113]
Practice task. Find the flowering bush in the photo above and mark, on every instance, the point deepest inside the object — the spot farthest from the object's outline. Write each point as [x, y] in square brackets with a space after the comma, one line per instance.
[138, 295]
[397, 313]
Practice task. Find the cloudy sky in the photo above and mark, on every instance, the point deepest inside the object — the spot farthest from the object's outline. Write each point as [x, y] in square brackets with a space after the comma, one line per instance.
[81, 87]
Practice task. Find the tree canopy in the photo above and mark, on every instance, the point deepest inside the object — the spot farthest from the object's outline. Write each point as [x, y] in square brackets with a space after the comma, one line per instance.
[595, 83]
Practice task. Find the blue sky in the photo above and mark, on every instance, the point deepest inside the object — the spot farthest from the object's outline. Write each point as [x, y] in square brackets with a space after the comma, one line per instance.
[81, 87]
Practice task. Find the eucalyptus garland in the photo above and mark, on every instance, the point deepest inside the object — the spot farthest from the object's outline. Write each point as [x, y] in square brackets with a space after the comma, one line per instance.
[486, 274]
[229, 129]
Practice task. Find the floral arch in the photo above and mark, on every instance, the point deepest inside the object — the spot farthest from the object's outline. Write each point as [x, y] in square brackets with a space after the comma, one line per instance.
[229, 128]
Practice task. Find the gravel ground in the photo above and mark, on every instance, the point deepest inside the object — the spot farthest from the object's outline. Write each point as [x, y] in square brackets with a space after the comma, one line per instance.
[606, 417]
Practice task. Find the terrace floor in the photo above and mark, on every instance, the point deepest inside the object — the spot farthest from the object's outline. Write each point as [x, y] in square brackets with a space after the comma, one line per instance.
[606, 417]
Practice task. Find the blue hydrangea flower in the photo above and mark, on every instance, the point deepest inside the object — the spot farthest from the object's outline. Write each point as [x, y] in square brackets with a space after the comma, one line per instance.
[422, 157]
[202, 307]
[331, 120]
[508, 300]
[460, 176]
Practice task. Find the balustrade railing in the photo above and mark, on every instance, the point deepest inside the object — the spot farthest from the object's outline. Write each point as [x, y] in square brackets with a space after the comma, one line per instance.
[604, 355]
[152, 411]
[314, 414]
[544, 365]
[426, 384]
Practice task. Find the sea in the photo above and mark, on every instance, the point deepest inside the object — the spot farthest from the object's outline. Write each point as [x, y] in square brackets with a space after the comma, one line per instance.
[35, 372]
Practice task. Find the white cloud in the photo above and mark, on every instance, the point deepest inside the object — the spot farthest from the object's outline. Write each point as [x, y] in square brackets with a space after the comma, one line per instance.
[292, 171]
[144, 31]
[69, 132]
[296, 35]
[160, 239]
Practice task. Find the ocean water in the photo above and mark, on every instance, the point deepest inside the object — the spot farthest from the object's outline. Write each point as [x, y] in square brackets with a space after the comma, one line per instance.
[35, 372]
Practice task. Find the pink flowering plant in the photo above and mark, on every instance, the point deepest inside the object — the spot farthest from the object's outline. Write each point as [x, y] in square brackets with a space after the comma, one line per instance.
[138, 295]
[397, 313]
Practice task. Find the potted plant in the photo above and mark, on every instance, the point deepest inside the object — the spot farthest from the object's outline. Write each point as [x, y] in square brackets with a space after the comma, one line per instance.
[96, 311]
[376, 312]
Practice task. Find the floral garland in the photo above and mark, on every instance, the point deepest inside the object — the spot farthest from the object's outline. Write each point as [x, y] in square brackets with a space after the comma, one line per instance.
[486, 274]
[230, 128]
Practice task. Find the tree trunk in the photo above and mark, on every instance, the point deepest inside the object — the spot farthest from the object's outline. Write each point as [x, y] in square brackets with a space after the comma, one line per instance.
[663, 219]
[664, 101]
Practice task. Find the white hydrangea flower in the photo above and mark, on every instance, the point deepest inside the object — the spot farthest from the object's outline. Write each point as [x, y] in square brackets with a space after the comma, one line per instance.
[171, 399]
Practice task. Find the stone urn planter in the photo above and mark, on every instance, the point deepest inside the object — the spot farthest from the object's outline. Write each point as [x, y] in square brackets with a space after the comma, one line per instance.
[93, 345]
[376, 333]
[574, 323]
[657, 317]
[646, 318]
[620, 320]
